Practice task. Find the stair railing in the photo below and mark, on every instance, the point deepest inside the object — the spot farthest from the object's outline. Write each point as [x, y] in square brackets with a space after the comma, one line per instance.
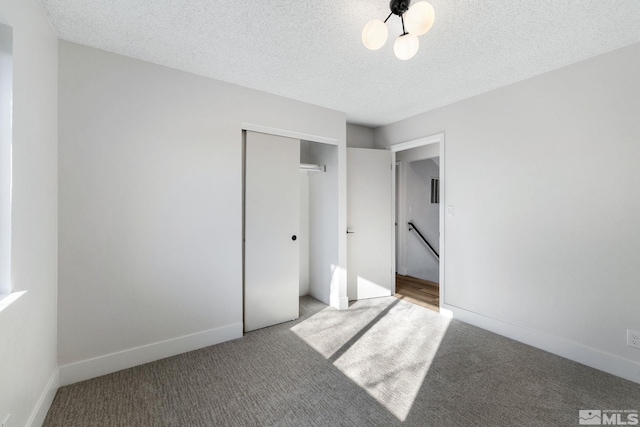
[412, 227]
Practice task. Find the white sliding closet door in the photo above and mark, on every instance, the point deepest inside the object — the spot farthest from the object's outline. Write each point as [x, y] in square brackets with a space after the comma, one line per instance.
[272, 222]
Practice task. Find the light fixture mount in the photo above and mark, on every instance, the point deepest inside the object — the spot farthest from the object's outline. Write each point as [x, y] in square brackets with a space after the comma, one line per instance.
[418, 19]
[399, 7]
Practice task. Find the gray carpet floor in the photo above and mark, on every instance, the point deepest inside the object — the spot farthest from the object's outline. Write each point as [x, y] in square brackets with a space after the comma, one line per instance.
[383, 362]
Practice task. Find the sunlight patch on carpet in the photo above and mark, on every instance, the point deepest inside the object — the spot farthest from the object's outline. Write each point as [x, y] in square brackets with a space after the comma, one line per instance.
[386, 348]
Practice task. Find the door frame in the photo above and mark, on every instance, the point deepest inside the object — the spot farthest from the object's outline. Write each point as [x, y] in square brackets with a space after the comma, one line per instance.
[402, 146]
[400, 195]
[288, 133]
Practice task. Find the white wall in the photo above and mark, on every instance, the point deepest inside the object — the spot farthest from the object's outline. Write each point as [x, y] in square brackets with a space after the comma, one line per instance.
[419, 153]
[28, 375]
[420, 261]
[541, 246]
[359, 136]
[151, 206]
[6, 89]
[303, 235]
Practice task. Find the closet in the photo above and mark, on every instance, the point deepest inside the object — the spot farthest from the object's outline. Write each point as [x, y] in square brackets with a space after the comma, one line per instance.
[279, 172]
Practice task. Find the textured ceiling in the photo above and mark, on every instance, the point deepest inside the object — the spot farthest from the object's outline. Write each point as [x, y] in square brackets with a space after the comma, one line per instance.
[311, 50]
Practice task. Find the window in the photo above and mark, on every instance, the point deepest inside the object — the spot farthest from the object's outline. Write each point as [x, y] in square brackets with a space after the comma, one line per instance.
[435, 190]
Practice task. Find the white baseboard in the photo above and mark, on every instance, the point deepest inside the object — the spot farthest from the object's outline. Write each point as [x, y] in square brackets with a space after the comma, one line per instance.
[341, 303]
[446, 313]
[109, 363]
[571, 350]
[44, 402]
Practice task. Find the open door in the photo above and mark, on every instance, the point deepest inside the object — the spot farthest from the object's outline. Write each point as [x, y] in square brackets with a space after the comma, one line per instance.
[369, 209]
[272, 223]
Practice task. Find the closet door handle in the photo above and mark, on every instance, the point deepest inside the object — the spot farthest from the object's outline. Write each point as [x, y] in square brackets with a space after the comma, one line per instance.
[294, 237]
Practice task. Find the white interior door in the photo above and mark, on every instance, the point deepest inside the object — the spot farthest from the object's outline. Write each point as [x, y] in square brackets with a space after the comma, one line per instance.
[272, 222]
[369, 208]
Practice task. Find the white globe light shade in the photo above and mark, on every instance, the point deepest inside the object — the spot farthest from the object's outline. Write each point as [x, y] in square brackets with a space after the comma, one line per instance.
[419, 18]
[374, 34]
[406, 46]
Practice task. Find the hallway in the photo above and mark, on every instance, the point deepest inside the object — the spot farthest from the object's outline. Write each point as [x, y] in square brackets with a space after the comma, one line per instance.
[418, 291]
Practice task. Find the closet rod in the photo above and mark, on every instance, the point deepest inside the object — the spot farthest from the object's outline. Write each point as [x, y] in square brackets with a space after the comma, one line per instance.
[312, 168]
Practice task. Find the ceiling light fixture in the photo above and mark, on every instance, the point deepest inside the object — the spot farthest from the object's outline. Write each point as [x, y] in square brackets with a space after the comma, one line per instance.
[416, 20]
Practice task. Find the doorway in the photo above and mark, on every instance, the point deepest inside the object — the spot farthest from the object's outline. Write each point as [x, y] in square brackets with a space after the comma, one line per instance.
[418, 226]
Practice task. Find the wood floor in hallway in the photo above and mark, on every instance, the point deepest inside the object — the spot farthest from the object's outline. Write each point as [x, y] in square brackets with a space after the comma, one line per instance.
[418, 291]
